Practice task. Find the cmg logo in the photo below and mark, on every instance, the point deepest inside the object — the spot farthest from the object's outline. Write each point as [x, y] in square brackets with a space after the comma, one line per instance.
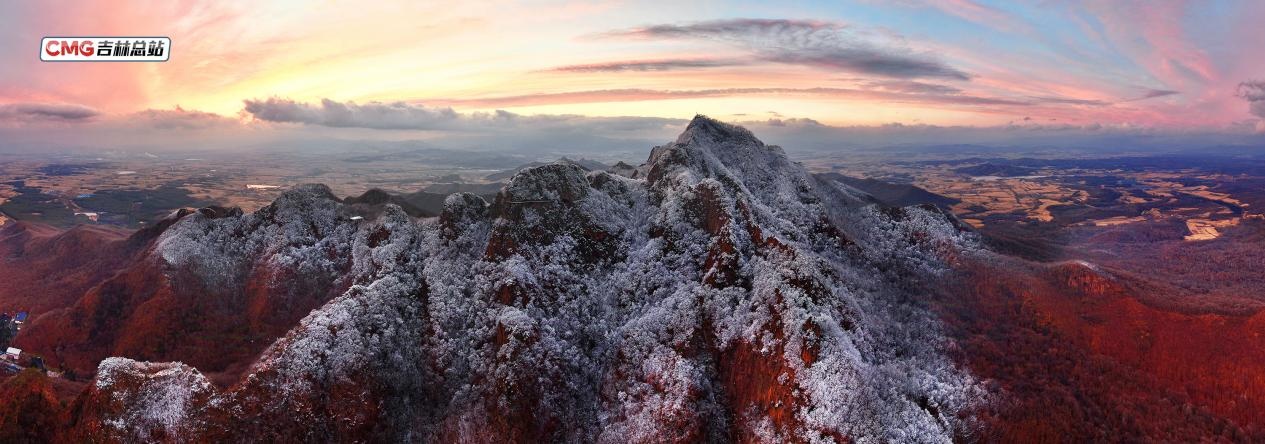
[56, 48]
[105, 49]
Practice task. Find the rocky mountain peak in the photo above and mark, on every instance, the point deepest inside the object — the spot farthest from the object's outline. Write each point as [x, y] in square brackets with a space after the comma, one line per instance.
[461, 210]
[711, 301]
[704, 130]
[709, 148]
[555, 182]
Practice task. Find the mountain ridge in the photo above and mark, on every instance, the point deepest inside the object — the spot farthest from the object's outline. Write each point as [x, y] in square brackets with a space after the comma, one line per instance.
[558, 294]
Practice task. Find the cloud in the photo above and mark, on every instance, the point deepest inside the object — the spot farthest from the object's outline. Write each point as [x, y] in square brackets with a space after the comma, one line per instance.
[179, 118]
[39, 114]
[46, 112]
[812, 43]
[649, 65]
[792, 122]
[405, 116]
[149, 130]
[1069, 101]
[1253, 91]
[374, 115]
[1151, 94]
[735, 29]
[910, 86]
[864, 60]
[285, 124]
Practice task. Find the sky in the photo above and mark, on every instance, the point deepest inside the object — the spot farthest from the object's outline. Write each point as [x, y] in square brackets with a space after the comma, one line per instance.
[617, 70]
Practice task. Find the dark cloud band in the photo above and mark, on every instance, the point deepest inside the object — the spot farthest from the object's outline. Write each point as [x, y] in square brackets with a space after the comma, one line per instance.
[805, 42]
[635, 94]
[375, 115]
[406, 116]
[46, 111]
[736, 28]
[648, 65]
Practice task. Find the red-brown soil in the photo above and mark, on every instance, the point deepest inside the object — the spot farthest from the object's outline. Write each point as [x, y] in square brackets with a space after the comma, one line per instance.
[1081, 359]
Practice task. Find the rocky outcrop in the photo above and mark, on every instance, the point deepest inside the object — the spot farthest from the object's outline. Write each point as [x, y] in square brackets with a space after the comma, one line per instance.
[212, 288]
[141, 402]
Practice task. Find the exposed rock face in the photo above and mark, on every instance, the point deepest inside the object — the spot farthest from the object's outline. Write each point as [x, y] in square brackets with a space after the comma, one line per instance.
[142, 402]
[724, 297]
[212, 289]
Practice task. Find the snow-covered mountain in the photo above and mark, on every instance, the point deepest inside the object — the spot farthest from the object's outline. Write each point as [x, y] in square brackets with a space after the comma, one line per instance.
[724, 294]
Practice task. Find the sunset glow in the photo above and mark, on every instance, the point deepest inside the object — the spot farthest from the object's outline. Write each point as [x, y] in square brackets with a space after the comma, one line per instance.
[1168, 64]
